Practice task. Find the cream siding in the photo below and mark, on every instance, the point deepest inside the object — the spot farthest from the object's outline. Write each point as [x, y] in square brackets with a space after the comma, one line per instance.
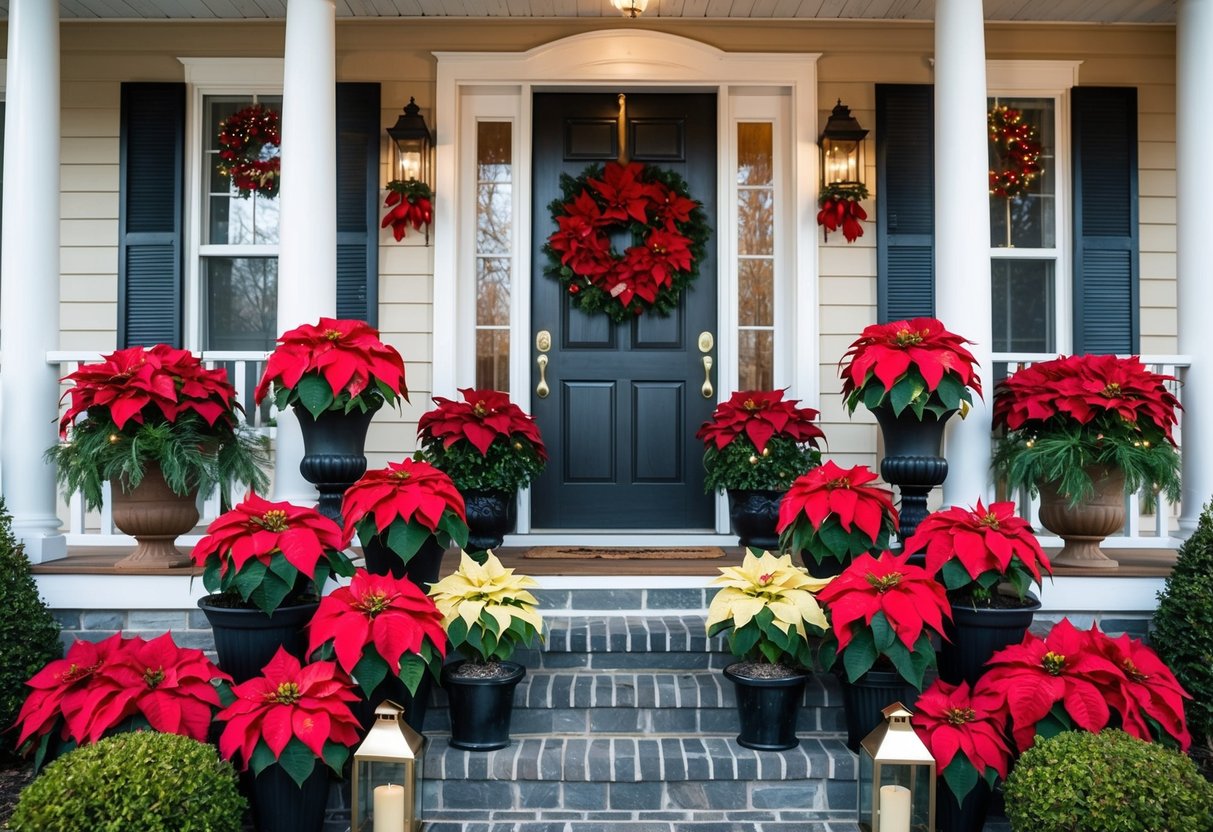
[855, 56]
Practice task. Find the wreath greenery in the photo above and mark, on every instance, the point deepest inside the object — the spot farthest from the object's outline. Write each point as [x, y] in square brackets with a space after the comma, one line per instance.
[248, 150]
[1015, 159]
[669, 233]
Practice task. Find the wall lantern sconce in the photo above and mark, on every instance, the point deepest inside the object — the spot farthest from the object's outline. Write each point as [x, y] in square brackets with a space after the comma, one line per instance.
[896, 777]
[386, 782]
[412, 146]
[631, 8]
[842, 156]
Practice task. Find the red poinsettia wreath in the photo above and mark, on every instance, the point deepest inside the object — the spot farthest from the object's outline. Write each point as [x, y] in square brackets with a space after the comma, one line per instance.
[1015, 153]
[840, 208]
[248, 150]
[411, 203]
[669, 232]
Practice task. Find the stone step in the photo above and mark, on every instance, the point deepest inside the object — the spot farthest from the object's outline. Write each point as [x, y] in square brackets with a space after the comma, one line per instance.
[612, 822]
[549, 702]
[622, 641]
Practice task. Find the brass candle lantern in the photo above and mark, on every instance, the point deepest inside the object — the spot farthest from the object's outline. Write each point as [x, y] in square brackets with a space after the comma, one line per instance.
[896, 777]
[386, 783]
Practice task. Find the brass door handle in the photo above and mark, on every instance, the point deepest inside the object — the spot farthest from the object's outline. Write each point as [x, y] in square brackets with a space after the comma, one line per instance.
[707, 377]
[541, 389]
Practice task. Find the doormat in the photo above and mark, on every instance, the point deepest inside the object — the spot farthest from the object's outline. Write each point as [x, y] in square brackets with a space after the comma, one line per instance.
[625, 553]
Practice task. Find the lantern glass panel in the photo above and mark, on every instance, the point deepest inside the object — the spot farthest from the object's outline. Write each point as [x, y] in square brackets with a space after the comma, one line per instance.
[393, 811]
[918, 779]
[841, 162]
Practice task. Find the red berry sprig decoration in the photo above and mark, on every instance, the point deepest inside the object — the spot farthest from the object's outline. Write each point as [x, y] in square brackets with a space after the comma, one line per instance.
[249, 142]
[840, 208]
[1016, 153]
[410, 203]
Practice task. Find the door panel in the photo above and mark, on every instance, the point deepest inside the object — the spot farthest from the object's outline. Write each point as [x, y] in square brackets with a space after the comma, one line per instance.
[625, 398]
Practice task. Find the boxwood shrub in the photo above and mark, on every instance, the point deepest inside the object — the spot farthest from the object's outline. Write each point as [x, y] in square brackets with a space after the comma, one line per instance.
[29, 634]
[147, 781]
[1106, 782]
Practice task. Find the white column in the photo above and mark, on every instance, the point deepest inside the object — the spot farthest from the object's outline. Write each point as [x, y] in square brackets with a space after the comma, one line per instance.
[1193, 227]
[29, 277]
[962, 228]
[307, 226]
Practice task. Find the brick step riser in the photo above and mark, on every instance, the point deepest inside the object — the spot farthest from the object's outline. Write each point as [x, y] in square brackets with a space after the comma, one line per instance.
[711, 823]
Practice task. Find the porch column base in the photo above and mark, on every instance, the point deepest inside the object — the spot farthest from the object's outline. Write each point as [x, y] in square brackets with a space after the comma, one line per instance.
[41, 540]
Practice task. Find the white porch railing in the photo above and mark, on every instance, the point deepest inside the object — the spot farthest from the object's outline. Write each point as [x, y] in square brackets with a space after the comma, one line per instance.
[1143, 530]
[85, 528]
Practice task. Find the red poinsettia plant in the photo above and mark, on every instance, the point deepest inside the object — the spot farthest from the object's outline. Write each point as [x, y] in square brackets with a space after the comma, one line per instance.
[1059, 419]
[832, 512]
[1082, 678]
[883, 608]
[973, 550]
[483, 443]
[292, 714]
[266, 553]
[404, 505]
[759, 440]
[335, 364]
[411, 202]
[119, 684]
[153, 408]
[841, 208]
[376, 627]
[916, 364]
[963, 730]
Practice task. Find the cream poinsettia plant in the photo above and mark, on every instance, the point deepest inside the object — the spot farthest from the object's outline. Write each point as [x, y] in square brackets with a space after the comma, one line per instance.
[487, 610]
[769, 610]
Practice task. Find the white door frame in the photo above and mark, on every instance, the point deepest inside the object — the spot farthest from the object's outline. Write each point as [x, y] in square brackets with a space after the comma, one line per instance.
[610, 59]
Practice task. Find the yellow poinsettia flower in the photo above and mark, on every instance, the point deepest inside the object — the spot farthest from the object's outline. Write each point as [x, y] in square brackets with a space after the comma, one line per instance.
[477, 593]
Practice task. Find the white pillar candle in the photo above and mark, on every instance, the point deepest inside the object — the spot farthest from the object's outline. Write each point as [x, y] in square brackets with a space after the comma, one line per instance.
[389, 808]
[894, 809]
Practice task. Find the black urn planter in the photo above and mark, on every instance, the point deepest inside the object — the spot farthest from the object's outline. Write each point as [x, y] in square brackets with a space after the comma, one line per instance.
[976, 633]
[422, 568]
[246, 638]
[969, 815]
[911, 460]
[333, 453]
[480, 708]
[491, 516]
[755, 515]
[281, 805]
[865, 698]
[768, 710]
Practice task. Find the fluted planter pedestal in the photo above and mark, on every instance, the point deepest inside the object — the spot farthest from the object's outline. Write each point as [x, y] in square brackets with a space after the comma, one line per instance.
[491, 516]
[334, 455]
[755, 515]
[912, 461]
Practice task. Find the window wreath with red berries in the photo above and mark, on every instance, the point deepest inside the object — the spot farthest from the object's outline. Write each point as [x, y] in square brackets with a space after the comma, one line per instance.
[408, 202]
[669, 234]
[1014, 152]
[249, 142]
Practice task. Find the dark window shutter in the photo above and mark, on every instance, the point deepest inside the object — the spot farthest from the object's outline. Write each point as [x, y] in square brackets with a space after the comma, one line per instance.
[151, 196]
[1106, 265]
[358, 202]
[905, 201]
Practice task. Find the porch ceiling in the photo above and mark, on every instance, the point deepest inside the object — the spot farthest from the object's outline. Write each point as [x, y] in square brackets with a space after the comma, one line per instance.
[1080, 11]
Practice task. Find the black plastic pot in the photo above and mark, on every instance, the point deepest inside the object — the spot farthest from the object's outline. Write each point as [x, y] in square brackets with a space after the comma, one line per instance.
[976, 634]
[967, 816]
[480, 709]
[768, 710]
[246, 638]
[911, 460]
[755, 515]
[415, 706]
[423, 567]
[491, 516]
[281, 805]
[865, 698]
[333, 453]
[829, 567]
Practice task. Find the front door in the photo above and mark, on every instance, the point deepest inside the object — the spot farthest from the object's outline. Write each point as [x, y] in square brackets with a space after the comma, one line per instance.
[625, 399]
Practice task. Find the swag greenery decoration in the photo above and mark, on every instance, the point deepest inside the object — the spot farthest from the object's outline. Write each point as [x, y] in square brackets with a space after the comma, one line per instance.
[483, 443]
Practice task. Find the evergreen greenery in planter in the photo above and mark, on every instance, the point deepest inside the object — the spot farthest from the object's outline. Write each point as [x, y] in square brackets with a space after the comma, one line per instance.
[1106, 782]
[29, 634]
[757, 441]
[148, 781]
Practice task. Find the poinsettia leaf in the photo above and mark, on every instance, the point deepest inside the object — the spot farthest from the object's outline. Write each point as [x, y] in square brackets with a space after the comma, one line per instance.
[412, 668]
[883, 634]
[770, 652]
[283, 568]
[949, 391]
[1056, 722]
[836, 539]
[904, 663]
[339, 563]
[210, 575]
[743, 641]
[405, 539]
[335, 755]
[954, 574]
[273, 592]
[960, 776]
[455, 528]
[249, 578]
[873, 395]
[370, 670]
[366, 529]
[1021, 580]
[902, 394]
[297, 760]
[860, 654]
[828, 652]
[262, 757]
[314, 394]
